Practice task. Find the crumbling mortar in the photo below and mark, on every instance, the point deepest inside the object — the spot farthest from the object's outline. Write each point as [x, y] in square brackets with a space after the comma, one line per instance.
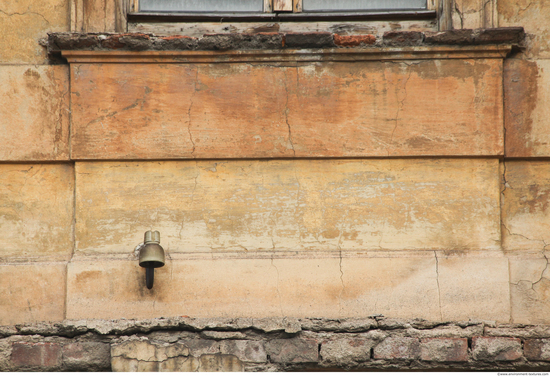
[60, 331]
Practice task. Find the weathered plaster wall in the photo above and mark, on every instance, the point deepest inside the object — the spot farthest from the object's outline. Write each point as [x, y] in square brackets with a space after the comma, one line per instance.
[525, 209]
[436, 237]
[354, 109]
[528, 80]
[36, 198]
[24, 23]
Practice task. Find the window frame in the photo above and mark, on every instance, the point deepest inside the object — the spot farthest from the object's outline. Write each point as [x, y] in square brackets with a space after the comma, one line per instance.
[293, 6]
[432, 11]
[92, 16]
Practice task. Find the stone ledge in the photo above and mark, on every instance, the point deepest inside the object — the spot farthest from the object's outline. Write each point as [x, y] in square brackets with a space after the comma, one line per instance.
[288, 325]
[289, 56]
[269, 344]
[269, 41]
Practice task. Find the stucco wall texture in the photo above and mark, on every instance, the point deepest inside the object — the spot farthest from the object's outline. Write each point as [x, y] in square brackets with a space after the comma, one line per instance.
[412, 188]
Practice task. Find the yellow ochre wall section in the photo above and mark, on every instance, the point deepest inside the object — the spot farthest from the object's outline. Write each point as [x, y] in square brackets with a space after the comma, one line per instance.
[313, 190]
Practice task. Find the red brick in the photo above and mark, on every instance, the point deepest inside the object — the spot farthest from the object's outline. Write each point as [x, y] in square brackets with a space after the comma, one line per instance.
[496, 348]
[444, 349]
[537, 349]
[398, 348]
[353, 40]
[43, 355]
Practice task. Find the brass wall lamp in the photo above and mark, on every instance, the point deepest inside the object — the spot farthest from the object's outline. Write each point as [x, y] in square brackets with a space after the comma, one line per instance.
[151, 256]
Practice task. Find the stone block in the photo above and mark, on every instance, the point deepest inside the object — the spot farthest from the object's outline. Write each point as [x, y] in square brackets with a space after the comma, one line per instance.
[180, 364]
[36, 211]
[537, 349]
[176, 364]
[198, 347]
[533, 16]
[526, 205]
[31, 293]
[444, 349]
[398, 348]
[292, 350]
[289, 205]
[140, 355]
[87, 356]
[141, 349]
[496, 349]
[5, 355]
[526, 110]
[245, 351]
[220, 363]
[173, 111]
[119, 364]
[23, 23]
[34, 116]
[42, 356]
[473, 288]
[530, 289]
[346, 351]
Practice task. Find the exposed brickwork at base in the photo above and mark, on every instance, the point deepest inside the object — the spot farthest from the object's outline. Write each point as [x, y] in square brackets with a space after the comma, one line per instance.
[273, 344]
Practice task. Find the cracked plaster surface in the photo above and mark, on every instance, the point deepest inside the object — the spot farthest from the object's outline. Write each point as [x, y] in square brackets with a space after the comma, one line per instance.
[532, 15]
[530, 290]
[23, 23]
[524, 201]
[524, 223]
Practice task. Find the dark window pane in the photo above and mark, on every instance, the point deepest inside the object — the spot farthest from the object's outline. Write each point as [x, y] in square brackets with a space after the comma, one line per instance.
[356, 5]
[226, 6]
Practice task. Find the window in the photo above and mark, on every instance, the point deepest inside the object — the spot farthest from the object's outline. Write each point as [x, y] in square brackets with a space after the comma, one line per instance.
[295, 6]
[155, 15]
